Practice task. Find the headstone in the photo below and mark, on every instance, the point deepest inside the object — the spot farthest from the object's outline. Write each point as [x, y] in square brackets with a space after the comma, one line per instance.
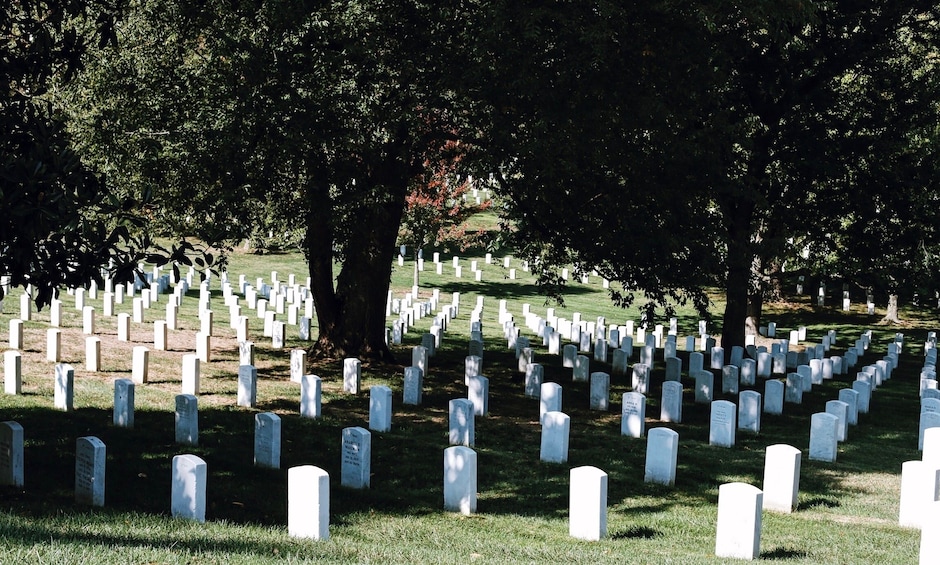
[696, 362]
[89, 471]
[850, 397]
[549, 399]
[123, 416]
[298, 364]
[927, 420]
[717, 357]
[781, 478]
[11, 454]
[268, 440]
[840, 410]
[64, 387]
[460, 480]
[352, 375]
[554, 444]
[191, 374]
[794, 390]
[773, 396]
[413, 386]
[12, 372]
[641, 378]
[54, 345]
[581, 369]
[929, 540]
[380, 408]
[864, 395]
[246, 353]
[472, 366]
[569, 353]
[310, 396]
[203, 347]
[587, 511]
[600, 391]
[920, 486]
[722, 426]
[247, 386]
[188, 500]
[187, 419]
[534, 375]
[823, 438]
[673, 369]
[729, 379]
[633, 415]
[704, 386]
[308, 503]
[662, 448]
[748, 372]
[671, 404]
[749, 409]
[356, 458]
[739, 521]
[461, 422]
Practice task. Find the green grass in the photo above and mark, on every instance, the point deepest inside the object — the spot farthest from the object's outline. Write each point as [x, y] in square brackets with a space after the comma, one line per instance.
[847, 512]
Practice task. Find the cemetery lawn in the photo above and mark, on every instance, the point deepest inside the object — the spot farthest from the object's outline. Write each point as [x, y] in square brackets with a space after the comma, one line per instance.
[848, 510]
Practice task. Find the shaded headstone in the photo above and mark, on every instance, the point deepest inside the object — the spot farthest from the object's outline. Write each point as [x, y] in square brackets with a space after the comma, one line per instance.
[460, 480]
[722, 424]
[356, 458]
[823, 439]
[188, 498]
[352, 375]
[11, 454]
[749, 409]
[123, 416]
[600, 391]
[187, 419]
[549, 399]
[478, 392]
[662, 448]
[413, 386]
[268, 440]
[704, 386]
[641, 378]
[773, 396]
[461, 422]
[671, 404]
[633, 415]
[310, 396]
[554, 443]
[380, 408]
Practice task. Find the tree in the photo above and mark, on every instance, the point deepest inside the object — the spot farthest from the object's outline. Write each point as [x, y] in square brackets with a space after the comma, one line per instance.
[327, 109]
[596, 128]
[436, 209]
[741, 114]
[60, 226]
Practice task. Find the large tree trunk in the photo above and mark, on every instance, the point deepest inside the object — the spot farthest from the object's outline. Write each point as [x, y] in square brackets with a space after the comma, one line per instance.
[755, 307]
[738, 281]
[351, 315]
[891, 316]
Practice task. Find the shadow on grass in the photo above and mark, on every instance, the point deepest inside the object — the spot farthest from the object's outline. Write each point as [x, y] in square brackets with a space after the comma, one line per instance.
[783, 553]
[636, 532]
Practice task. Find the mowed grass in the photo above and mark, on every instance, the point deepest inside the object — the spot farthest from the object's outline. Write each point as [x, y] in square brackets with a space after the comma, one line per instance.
[847, 511]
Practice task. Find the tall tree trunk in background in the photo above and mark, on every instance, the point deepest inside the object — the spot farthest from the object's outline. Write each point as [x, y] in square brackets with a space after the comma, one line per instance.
[738, 277]
[351, 313]
[755, 306]
[891, 316]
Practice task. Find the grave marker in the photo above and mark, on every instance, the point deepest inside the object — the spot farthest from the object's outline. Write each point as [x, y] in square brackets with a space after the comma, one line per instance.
[188, 498]
[554, 443]
[633, 415]
[739, 521]
[308, 503]
[356, 458]
[11, 454]
[123, 416]
[781, 478]
[722, 424]
[587, 510]
[662, 448]
[187, 420]
[268, 440]
[89, 471]
[460, 480]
